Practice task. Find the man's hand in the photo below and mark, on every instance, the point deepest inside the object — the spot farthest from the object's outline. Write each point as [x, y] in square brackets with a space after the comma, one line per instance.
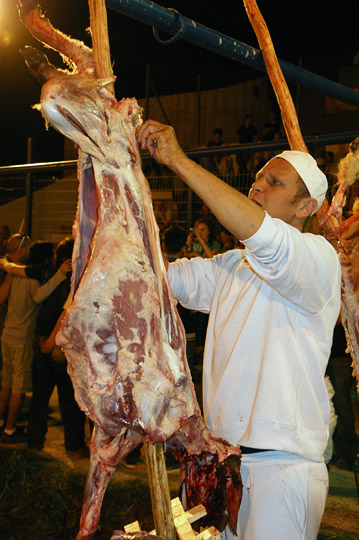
[161, 142]
[233, 209]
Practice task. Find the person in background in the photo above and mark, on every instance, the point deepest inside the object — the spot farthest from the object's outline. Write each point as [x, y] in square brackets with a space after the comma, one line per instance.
[174, 242]
[39, 265]
[4, 237]
[201, 242]
[50, 369]
[24, 296]
[212, 163]
[340, 371]
[246, 133]
[227, 241]
[272, 310]
[330, 166]
[270, 128]
[159, 209]
[217, 138]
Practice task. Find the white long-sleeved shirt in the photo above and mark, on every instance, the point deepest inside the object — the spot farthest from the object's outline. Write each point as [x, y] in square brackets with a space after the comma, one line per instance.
[23, 306]
[273, 307]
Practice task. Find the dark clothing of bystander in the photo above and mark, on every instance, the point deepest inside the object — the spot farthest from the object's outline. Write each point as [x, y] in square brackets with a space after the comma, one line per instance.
[49, 372]
[40, 271]
[345, 439]
[3, 309]
[46, 375]
[246, 133]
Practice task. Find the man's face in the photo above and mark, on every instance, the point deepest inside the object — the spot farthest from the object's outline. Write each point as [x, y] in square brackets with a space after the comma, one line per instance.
[275, 188]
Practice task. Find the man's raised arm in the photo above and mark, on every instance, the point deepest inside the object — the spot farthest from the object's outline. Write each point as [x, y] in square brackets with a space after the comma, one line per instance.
[233, 210]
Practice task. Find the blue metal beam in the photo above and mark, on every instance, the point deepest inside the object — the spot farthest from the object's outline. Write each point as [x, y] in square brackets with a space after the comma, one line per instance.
[172, 22]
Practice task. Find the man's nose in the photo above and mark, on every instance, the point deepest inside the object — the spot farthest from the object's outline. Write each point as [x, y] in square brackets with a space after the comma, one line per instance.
[258, 185]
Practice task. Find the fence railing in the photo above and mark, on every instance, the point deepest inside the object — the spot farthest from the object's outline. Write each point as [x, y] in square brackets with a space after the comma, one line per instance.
[54, 197]
[53, 194]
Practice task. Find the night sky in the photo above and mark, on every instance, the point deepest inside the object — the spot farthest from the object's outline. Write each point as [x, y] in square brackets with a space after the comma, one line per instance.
[302, 29]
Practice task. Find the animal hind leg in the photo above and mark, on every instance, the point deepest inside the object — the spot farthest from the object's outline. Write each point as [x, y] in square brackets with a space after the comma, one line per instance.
[106, 453]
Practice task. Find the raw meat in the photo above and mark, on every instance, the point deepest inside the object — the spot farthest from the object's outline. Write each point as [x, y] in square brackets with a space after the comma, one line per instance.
[122, 336]
[344, 236]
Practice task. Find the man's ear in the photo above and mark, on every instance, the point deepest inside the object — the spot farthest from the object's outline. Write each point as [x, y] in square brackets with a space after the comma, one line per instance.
[306, 207]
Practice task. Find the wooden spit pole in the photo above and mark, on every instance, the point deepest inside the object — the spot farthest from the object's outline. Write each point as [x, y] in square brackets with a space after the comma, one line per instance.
[280, 87]
[100, 41]
[156, 467]
[160, 493]
[284, 98]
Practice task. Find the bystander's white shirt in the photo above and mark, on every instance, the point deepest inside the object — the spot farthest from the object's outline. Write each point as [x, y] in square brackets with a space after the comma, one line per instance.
[24, 302]
[273, 307]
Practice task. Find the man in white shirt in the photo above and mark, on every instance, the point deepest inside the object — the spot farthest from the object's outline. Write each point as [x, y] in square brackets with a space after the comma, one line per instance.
[272, 310]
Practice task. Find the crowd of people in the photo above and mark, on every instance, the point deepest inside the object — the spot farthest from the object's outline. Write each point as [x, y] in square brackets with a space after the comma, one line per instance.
[35, 283]
[247, 133]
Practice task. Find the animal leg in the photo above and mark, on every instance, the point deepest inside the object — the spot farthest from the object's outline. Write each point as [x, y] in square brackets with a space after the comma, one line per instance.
[106, 453]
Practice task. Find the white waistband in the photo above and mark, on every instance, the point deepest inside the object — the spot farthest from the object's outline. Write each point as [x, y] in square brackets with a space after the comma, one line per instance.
[273, 456]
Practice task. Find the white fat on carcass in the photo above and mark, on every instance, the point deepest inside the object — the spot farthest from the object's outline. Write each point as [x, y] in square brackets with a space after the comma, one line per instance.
[174, 365]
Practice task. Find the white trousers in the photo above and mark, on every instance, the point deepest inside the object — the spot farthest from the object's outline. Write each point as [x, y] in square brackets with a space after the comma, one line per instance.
[284, 497]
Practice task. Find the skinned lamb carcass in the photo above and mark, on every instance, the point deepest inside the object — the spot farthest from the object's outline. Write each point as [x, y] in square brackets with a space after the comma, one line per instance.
[344, 236]
[122, 336]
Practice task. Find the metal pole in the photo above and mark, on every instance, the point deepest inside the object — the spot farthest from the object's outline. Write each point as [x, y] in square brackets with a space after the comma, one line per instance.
[274, 146]
[315, 140]
[172, 22]
[28, 193]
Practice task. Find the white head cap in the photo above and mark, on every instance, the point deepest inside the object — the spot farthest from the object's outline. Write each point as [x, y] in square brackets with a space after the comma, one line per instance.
[308, 170]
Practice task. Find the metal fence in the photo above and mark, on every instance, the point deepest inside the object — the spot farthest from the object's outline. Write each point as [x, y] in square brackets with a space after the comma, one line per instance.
[48, 201]
[46, 197]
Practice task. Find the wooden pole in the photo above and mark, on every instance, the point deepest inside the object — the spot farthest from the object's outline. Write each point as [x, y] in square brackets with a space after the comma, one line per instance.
[284, 98]
[100, 41]
[158, 480]
[156, 467]
[285, 102]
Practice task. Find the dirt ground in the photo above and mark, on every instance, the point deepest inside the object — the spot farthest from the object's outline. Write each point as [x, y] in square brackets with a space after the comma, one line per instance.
[340, 520]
